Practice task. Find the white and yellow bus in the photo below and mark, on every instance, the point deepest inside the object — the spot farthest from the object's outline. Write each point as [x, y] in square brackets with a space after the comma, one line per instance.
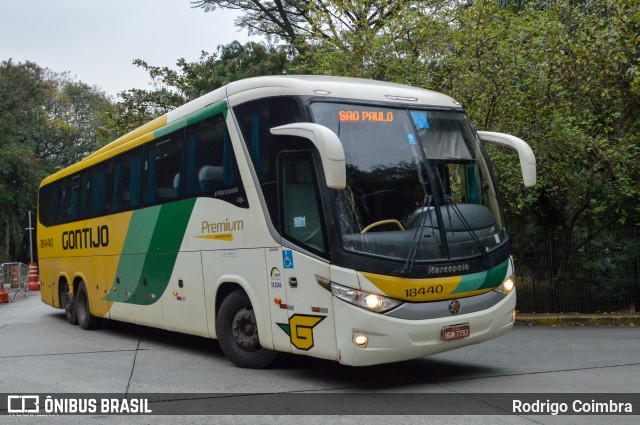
[345, 219]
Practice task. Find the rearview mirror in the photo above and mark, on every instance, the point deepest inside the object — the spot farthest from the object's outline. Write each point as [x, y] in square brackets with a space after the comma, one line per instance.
[327, 143]
[525, 153]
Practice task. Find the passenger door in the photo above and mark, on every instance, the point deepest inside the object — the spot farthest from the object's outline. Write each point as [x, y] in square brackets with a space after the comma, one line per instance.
[310, 324]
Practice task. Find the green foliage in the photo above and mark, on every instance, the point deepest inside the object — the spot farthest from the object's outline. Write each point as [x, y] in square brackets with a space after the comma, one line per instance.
[560, 78]
[47, 121]
[561, 74]
[564, 75]
[173, 88]
[302, 23]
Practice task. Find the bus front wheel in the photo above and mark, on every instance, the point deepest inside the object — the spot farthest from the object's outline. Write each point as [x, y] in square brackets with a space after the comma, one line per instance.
[237, 331]
[85, 319]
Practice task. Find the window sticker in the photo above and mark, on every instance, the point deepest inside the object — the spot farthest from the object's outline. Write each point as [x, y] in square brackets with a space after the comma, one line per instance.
[276, 278]
[420, 120]
[299, 221]
[287, 259]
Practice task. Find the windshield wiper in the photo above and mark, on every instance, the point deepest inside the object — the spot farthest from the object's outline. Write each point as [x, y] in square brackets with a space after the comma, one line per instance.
[486, 259]
[424, 211]
[417, 236]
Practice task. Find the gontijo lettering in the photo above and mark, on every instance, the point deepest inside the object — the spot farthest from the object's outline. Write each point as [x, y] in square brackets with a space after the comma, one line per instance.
[87, 237]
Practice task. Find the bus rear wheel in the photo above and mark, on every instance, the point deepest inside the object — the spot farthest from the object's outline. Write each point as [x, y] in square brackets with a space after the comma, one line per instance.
[85, 319]
[67, 300]
[237, 331]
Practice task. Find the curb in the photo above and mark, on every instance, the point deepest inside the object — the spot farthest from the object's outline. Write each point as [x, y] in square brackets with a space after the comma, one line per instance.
[578, 320]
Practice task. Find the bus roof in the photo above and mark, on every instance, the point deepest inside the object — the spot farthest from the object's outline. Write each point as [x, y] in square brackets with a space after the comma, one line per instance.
[340, 87]
[242, 91]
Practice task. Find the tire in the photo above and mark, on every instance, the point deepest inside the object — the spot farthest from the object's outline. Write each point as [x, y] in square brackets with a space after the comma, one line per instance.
[83, 312]
[67, 301]
[238, 333]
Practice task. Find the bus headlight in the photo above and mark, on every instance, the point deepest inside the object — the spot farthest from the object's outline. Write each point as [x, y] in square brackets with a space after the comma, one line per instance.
[507, 286]
[366, 300]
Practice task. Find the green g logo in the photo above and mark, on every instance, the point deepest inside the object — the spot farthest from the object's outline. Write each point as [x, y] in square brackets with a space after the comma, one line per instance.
[300, 330]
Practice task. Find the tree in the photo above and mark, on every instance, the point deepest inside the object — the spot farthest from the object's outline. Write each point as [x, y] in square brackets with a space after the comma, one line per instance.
[564, 77]
[47, 121]
[173, 88]
[302, 23]
[563, 80]
[562, 74]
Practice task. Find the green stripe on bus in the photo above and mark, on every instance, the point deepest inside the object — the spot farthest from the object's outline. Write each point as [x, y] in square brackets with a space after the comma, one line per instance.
[197, 116]
[141, 228]
[144, 275]
[134, 253]
[483, 280]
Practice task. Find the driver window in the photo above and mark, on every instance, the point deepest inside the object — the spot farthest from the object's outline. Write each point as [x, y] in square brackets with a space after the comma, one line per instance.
[461, 182]
[256, 119]
[301, 216]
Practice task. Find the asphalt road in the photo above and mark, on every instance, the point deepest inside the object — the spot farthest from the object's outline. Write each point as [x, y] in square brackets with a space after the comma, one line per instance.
[41, 353]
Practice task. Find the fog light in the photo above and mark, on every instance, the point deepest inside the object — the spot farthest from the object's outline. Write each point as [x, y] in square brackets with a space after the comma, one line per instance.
[360, 340]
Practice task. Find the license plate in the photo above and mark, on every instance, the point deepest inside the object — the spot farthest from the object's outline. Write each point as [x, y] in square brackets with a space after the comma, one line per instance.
[451, 333]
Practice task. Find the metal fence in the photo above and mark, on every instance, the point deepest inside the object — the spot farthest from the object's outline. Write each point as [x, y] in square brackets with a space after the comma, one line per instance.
[15, 280]
[557, 274]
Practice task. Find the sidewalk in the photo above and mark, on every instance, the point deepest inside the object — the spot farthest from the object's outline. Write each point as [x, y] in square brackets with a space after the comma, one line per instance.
[577, 319]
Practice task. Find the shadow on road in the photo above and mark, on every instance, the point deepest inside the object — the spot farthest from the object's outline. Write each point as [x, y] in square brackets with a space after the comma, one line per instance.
[332, 374]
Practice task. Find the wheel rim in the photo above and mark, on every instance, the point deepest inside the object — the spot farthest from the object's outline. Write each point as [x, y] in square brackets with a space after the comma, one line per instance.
[245, 330]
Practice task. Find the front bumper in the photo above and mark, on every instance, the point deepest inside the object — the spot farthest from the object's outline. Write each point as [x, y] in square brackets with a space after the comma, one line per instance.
[393, 339]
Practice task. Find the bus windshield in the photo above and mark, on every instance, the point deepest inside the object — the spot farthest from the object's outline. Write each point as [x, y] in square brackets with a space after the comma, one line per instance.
[418, 184]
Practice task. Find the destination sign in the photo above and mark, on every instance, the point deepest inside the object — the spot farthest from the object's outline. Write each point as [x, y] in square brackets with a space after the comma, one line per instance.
[375, 116]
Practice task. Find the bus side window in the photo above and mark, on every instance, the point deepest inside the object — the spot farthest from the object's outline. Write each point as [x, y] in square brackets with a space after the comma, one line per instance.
[163, 165]
[78, 197]
[65, 202]
[45, 205]
[57, 202]
[127, 181]
[300, 200]
[211, 165]
[256, 119]
[100, 189]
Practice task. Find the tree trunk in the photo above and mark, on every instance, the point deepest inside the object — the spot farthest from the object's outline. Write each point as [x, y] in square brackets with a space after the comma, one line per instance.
[4, 248]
